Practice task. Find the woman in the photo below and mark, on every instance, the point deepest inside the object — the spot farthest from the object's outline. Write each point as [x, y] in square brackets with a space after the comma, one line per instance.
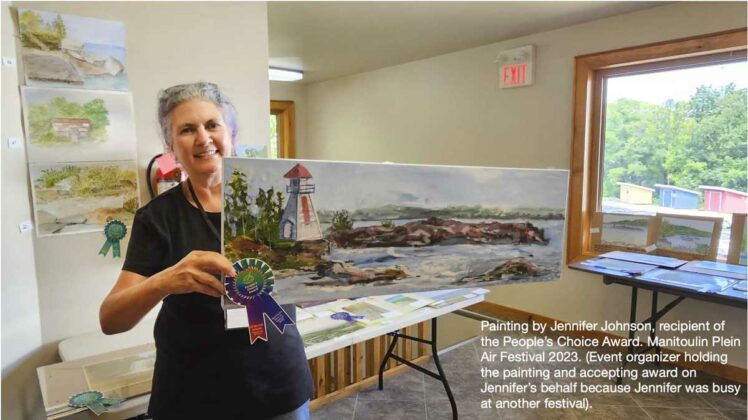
[202, 370]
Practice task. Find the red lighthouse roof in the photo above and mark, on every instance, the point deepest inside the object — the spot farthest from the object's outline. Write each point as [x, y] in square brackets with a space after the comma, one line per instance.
[298, 171]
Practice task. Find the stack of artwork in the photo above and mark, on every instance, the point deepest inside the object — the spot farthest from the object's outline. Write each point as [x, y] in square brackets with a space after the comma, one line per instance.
[78, 121]
[334, 230]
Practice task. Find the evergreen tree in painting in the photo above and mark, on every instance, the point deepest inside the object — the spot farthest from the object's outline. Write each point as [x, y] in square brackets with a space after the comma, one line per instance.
[238, 217]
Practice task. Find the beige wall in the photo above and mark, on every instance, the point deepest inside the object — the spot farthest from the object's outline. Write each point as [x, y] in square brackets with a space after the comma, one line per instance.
[296, 92]
[167, 43]
[21, 328]
[449, 110]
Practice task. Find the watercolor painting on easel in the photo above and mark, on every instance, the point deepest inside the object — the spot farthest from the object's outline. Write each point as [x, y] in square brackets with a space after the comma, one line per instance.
[334, 230]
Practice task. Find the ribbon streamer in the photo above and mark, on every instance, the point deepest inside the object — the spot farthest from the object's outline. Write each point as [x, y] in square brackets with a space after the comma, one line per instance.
[114, 231]
[251, 288]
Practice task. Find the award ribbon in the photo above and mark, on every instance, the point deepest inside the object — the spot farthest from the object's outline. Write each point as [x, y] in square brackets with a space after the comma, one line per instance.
[114, 231]
[346, 316]
[94, 400]
[251, 288]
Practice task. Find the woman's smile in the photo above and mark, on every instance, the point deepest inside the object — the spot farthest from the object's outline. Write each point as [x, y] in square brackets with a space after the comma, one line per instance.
[206, 154]
[200, 137]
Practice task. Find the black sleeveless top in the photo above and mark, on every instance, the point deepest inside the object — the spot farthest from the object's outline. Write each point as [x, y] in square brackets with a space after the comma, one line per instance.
[202, 370]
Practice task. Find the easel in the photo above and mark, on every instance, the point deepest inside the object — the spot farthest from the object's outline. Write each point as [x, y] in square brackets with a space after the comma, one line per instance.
[432, 342]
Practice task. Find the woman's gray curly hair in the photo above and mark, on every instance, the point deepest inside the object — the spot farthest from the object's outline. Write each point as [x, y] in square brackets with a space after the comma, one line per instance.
[170, 98]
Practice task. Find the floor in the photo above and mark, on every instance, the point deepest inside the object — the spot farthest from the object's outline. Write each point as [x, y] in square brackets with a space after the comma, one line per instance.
[415, 396]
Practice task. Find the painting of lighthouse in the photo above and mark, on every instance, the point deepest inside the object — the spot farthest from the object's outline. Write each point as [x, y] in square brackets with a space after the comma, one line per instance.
[334, 230]
[299, 221]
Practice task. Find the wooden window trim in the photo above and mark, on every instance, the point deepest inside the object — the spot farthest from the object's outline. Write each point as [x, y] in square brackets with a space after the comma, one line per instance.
[586, 146]
[284, 111]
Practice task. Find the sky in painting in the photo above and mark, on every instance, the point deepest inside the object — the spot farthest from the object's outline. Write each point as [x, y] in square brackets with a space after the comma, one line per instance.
[88, 30]
[351, 186]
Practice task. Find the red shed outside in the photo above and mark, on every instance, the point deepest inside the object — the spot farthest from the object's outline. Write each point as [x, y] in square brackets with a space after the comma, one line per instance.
[724, 200]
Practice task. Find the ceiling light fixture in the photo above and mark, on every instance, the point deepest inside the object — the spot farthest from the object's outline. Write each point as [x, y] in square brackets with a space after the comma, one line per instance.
[284, 75]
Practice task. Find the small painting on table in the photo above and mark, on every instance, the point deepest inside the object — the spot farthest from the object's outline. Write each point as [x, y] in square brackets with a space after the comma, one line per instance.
[318, 330]
[684, 236]
[623, 231]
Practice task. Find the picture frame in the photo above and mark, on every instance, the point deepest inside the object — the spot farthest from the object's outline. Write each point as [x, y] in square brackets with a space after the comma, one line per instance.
[736, 253]
[621, 232]
[686, 236]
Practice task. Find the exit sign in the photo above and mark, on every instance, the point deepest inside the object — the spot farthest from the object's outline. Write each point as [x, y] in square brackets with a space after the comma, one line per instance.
[516, 67]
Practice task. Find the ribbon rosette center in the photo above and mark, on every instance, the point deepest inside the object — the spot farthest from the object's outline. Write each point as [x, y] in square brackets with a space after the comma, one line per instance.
[251, 288]
[114, 231]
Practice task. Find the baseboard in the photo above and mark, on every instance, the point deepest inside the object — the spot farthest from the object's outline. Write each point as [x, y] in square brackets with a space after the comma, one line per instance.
[494, 310]
[353, 388]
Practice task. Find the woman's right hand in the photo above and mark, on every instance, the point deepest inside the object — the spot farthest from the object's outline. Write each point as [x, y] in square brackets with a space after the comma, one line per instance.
[196, 272]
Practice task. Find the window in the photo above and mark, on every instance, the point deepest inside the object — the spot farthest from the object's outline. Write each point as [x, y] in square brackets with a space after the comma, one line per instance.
[282, 130]
[273, 153]
[659, 141]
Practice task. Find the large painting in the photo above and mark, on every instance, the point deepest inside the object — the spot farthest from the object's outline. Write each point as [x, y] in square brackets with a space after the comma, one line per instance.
[64, 125]
[81, 197]
[72, 51]
[335, 230]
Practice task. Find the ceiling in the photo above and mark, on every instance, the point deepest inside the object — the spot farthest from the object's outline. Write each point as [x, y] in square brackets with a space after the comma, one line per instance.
[333, 39]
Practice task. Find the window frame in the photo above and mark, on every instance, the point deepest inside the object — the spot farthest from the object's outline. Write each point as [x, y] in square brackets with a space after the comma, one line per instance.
[590, 72]
[286, 127]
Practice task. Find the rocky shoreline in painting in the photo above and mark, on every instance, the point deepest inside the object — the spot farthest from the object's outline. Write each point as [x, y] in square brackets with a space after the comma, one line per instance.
[437, 231]
[313, 257]
[337, 273]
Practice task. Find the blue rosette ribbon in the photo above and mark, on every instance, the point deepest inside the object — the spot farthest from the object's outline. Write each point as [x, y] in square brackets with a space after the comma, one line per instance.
[251, 288]
[114, 231]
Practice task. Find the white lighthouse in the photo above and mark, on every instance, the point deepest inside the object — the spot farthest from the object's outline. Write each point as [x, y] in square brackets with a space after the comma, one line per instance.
[299, 221]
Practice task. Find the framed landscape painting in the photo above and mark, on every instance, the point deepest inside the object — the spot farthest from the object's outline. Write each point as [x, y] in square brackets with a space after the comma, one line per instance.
[622, 232]
[334, 230]
[684, 236]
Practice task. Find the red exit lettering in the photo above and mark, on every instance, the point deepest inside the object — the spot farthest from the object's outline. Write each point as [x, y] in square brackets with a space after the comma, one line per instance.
[515, 74]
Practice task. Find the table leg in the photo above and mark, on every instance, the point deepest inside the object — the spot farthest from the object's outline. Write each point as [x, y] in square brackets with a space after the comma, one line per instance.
[653, 324]
[440, 376]
[438, 364]
[387, 356]
[632, 320]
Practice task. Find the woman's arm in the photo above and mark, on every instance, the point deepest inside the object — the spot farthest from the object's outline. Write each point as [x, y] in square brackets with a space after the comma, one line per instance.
[134, 295]
[130, 299]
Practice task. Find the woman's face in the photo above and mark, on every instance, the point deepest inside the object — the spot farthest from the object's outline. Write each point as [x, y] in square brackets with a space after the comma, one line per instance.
[199, 137]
